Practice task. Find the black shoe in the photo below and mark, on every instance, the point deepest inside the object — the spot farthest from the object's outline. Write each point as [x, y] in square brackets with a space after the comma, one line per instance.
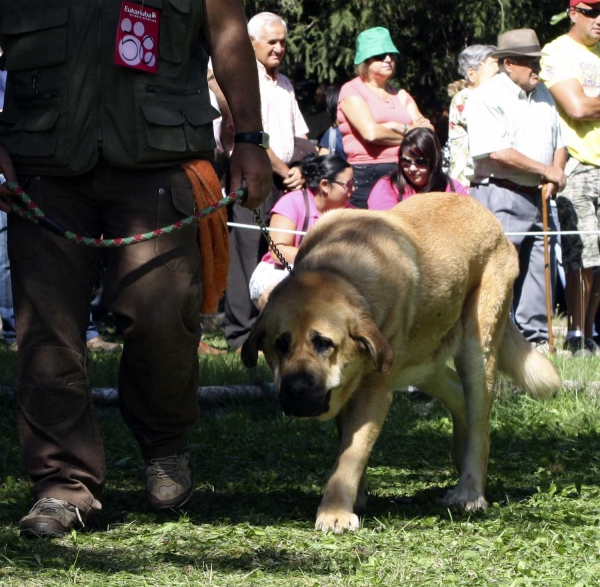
[51, 518]
[578, 346]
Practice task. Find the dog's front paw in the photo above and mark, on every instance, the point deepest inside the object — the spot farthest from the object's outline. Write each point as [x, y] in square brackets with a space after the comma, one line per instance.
[337, 521]
[466, 499]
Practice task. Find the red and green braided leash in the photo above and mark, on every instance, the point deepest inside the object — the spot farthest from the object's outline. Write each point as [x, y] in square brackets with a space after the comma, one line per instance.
[32, 212]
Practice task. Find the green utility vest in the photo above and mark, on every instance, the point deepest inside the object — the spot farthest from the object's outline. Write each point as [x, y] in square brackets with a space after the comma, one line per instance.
[66, 100]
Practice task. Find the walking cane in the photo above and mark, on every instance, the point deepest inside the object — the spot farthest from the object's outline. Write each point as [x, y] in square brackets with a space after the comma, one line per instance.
[547, 267]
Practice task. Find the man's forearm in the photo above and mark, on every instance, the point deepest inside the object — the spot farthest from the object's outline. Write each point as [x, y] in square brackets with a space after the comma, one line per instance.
[516, 160]
[234, 64]
[560, 157]
[578, 102]
[279, 167]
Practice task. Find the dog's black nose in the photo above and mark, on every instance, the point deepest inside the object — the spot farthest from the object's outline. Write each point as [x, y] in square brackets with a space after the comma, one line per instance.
[301, 395]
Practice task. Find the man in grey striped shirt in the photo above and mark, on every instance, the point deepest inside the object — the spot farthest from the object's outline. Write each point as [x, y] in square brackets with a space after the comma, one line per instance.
[516, 145]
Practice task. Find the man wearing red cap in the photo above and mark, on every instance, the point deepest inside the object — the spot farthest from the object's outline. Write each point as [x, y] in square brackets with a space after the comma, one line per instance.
[571, 71]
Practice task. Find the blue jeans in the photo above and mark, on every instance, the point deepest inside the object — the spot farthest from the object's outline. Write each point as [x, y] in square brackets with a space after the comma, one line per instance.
[7, 312]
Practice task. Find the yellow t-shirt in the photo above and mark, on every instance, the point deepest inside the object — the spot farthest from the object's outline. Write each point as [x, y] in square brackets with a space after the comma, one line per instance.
[563, 59]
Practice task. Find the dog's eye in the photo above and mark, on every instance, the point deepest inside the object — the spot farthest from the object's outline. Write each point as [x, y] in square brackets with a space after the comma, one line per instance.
[322, 344]
[282, 344]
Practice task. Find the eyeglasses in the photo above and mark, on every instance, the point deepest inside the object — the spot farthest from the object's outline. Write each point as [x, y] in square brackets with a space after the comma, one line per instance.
[347, 185]
[531, 62]
[590, 13]
[417, 162]
[382, 56]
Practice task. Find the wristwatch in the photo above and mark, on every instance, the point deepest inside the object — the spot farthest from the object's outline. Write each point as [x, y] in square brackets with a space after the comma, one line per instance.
[259, 138]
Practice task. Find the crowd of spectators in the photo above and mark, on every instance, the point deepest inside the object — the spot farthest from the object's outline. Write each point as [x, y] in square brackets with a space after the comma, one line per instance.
[507, 138]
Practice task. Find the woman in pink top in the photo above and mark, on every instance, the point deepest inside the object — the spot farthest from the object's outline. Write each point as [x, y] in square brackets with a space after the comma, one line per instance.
[374, 116]
[329, 181]
[419, 171]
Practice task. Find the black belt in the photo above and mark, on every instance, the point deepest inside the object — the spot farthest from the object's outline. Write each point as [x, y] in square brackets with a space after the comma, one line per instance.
[511, 185]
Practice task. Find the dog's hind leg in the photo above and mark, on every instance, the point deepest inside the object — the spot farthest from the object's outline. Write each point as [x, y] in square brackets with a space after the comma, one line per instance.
[359, 424]
[445, 384]
[484, 316]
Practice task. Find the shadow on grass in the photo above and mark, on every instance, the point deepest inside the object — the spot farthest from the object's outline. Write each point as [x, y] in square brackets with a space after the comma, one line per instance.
[62, 556]
[256, 467]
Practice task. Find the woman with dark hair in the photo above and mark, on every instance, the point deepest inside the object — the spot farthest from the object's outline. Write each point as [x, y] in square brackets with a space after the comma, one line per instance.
[329, 183]
[419, 171]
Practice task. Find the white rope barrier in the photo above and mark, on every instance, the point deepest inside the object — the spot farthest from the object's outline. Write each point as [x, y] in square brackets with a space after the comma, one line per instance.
[540, 233]
[552, 233]
[255, 227]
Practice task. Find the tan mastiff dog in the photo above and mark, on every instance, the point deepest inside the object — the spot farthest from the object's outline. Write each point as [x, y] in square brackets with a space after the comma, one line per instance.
[382, 300]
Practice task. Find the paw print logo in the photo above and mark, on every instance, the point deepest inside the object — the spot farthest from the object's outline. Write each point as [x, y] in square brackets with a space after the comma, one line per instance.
[136, 46]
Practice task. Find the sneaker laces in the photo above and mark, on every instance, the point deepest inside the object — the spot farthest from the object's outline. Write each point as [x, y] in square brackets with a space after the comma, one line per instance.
[165, 467]
[49, 506]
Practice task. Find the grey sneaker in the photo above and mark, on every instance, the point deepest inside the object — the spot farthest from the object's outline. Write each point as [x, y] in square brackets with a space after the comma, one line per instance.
[576, 344]
[592, 346]
[170, 481]
[51, 518]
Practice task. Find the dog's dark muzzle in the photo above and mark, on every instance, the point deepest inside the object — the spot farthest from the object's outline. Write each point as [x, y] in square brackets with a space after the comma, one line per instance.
[301, 395]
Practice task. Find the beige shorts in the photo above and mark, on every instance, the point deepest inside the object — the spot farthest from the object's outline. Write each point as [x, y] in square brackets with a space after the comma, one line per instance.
[578, 209]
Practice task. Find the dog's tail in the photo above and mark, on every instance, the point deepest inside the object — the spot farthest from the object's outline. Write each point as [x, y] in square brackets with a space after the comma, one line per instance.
[525, 365]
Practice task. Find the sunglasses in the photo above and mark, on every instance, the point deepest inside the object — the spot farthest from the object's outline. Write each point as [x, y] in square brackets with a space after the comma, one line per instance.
[531, 62]
[347, 185]
[417, 162]
[382, 56]
[590, 13]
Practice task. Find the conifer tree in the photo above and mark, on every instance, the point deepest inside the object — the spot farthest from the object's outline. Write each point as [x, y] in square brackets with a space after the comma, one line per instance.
[429, 35]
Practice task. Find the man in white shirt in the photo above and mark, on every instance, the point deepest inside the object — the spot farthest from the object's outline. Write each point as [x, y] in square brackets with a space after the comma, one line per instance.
[283, 122]
[516, 144]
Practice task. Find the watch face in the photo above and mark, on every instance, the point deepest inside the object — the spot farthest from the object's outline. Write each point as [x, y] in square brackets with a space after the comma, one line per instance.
[265, 140]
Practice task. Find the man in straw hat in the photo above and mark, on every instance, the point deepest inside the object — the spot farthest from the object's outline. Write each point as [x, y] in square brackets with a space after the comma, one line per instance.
[571, 71]
[516, 145]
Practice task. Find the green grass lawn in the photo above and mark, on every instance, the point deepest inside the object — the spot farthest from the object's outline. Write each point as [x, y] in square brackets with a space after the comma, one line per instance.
[259, 481]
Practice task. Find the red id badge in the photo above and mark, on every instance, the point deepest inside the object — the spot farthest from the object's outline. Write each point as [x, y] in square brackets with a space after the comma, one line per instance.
[137, 37]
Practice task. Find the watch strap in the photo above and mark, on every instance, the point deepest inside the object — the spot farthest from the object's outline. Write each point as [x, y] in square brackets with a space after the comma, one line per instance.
[260, 138]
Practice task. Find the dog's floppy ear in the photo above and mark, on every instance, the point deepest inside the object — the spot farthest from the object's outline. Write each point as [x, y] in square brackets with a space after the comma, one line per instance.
[254, 342]
[366, 333]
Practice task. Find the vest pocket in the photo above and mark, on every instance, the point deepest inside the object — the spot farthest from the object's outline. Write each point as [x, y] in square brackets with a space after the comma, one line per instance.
[37, 134]
[34, 138]
[175, 129]
[164, 128]
[198, 128]
[35, 39]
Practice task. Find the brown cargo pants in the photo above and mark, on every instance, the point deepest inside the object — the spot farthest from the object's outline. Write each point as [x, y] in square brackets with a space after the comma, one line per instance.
[154, 291]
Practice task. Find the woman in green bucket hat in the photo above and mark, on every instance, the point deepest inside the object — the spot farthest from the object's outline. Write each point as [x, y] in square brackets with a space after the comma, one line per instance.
[374, 116]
